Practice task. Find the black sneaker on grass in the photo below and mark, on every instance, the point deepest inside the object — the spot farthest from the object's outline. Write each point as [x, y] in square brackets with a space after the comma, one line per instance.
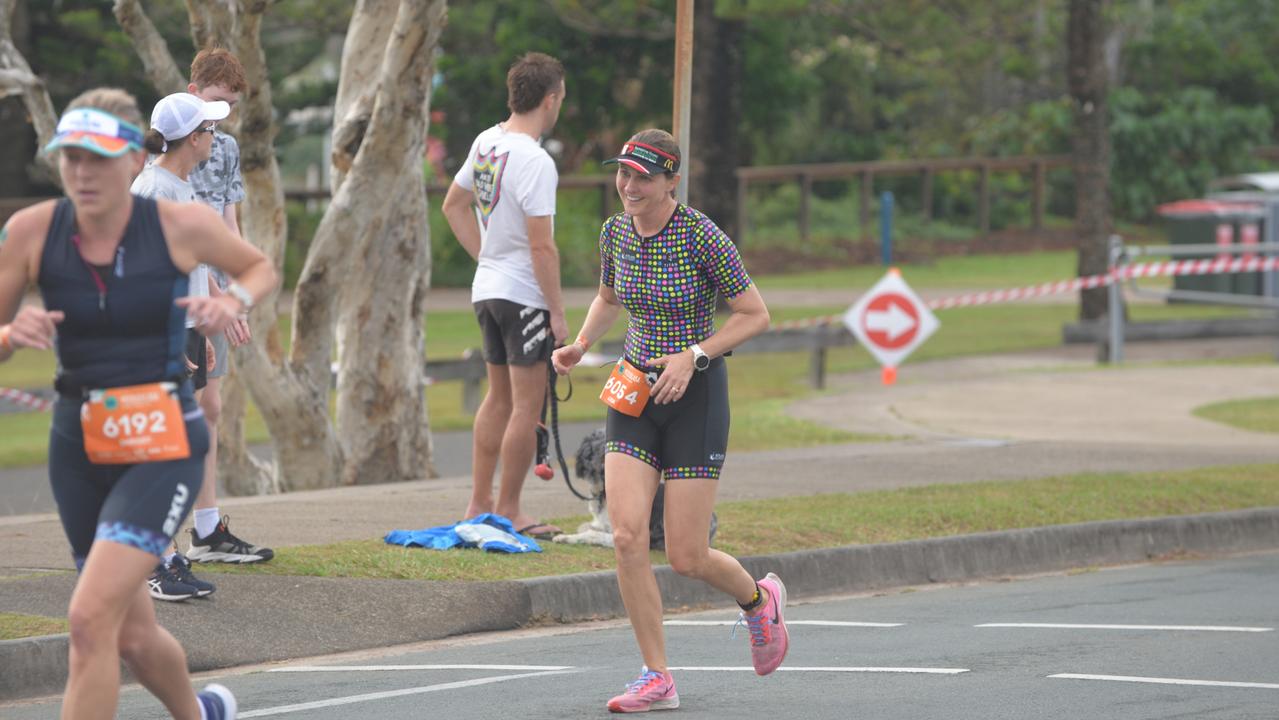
[222, 546]
[181, 568]
[165, 585]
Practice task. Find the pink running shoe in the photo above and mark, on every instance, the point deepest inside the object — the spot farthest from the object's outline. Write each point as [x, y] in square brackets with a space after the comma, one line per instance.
[652, 691]
[769, 639]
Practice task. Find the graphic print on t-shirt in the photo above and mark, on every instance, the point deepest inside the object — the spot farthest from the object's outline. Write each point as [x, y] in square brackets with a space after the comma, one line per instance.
[487, 171]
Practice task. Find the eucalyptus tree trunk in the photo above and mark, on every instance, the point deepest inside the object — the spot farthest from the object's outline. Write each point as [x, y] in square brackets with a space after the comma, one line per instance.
[1087, 76]
[381, 410]
[717, 102]
[366, 273]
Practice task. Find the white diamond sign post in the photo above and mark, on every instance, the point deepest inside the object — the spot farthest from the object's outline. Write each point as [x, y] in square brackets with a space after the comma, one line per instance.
[891, 321]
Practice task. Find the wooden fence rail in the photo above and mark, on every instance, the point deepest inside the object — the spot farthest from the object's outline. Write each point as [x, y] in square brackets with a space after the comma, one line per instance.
[471, 370]
[865, 172]
[1037, 166]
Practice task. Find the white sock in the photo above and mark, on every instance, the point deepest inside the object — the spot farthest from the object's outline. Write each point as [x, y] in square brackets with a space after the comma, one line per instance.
[206, 521]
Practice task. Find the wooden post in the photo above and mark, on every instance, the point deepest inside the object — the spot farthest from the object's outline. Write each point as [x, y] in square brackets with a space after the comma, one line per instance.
[683, 90]
[606, 200]
[743, 217]
[470, 395]
[868, 179]
[983, 210]
[817, 360]
[1037, 194]
[805, 204]
[928, 195]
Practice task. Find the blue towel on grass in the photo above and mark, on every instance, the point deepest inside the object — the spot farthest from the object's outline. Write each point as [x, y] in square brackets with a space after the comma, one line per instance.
[490, 532]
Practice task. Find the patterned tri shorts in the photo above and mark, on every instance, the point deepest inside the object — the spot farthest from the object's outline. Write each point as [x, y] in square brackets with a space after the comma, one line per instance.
[684, 439]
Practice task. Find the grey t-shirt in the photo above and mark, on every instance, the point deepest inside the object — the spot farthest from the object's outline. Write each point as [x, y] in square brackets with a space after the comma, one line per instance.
[156, 182]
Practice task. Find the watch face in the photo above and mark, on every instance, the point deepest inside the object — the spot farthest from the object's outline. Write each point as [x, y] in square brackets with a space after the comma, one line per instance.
[701, 362]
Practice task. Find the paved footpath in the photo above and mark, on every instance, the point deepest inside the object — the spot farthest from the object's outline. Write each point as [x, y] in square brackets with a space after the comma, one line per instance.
[1007, 417]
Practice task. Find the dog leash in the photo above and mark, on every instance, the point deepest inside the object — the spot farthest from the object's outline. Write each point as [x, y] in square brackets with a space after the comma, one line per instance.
[552, 402]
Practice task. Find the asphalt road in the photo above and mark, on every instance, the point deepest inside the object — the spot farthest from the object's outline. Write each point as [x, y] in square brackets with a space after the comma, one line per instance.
[1182, 639]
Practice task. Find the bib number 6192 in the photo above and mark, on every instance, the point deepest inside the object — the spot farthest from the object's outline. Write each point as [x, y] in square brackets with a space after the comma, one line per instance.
[134, 424]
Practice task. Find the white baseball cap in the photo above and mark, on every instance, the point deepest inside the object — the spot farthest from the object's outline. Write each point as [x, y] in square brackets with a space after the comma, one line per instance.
[179, 114]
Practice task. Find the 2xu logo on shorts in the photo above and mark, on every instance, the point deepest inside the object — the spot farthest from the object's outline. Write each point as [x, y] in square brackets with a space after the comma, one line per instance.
[180, 495]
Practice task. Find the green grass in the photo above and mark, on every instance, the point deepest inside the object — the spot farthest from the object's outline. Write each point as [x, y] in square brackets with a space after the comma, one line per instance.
[760, 527]
[17, 625]
[1256, 414]
[788, 524]
[761, 384]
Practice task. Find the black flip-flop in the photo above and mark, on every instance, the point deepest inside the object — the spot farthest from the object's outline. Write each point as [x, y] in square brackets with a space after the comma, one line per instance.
[544, 535]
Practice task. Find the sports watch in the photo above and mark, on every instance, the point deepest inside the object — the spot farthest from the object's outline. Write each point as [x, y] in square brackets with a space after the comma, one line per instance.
[701, 360]
[237, 291]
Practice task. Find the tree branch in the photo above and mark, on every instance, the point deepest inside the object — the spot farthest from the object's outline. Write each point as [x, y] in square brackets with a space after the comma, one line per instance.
[212, 22]
[648, 23]
[16, 77]
[160, 67]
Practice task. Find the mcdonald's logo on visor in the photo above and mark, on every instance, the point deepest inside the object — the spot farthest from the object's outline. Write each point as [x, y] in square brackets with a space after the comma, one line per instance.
[645, 158]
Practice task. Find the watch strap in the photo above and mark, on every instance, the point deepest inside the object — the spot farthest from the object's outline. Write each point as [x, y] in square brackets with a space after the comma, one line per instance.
[237, 291]
[701, 360]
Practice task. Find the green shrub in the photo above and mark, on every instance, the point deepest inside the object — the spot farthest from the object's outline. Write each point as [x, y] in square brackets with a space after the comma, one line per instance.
[1168, 148]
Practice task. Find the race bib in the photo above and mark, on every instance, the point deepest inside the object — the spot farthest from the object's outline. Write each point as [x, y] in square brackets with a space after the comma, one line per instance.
[136, 424]
[626, 390]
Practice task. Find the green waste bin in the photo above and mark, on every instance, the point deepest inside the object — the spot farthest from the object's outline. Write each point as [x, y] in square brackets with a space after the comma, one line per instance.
[1214, 222]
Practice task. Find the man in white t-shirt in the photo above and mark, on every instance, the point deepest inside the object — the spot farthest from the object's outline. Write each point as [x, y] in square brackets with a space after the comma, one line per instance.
[501, 207]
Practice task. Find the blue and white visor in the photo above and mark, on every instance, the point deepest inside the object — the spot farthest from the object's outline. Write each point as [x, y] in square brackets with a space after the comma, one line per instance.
[97, 131]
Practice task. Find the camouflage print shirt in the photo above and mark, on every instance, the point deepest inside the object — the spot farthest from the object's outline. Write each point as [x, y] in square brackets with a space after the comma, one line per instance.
[217, 181]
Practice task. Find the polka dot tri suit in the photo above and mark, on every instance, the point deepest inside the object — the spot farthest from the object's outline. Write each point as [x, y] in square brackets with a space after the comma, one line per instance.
[121, 329]
[668, 284]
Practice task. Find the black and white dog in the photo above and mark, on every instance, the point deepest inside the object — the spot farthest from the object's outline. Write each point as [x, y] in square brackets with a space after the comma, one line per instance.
[590, 467]
[598, 530]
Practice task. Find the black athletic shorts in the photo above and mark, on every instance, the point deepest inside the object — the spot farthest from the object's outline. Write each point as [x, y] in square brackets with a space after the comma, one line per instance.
[141, 505]
[514, 334]
[684, 439]
[198, 354]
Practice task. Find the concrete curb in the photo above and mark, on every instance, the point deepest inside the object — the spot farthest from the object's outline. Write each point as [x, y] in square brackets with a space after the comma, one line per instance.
[38, 666]
[860, 568]
[33, 666]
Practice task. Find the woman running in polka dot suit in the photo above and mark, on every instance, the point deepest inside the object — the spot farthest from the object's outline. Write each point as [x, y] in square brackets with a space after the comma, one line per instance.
[668, 403]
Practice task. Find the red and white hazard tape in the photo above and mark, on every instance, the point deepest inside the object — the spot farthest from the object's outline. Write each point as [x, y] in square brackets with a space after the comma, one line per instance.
[25, 399]
[1214, 266]
[1169, 268]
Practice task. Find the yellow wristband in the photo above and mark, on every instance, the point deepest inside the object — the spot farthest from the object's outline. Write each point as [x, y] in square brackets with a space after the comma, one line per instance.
[581, 340]
[5, 342]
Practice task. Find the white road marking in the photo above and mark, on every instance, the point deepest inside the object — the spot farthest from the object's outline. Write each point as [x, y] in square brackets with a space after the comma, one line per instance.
[368, 697]
[387, 668]
[1067, 626]
[1167, 681]
[827, 623]
[918, 671]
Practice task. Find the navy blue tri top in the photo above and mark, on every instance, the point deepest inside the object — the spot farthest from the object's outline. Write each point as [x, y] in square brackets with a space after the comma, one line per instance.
[129, 332]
